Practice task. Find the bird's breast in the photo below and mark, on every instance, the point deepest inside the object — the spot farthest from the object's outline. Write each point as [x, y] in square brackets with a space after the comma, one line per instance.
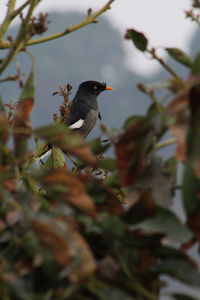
[89, 122]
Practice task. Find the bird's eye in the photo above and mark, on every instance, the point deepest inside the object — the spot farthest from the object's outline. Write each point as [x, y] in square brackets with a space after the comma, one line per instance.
[95, 87]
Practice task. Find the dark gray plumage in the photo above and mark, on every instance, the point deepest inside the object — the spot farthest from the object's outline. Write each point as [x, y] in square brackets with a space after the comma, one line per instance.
[84, 110]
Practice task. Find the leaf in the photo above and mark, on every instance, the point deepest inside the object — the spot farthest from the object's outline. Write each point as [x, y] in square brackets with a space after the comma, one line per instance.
[105, 198]
[97, 146]
[161, 178]
[166, 222]
[193, 222]
[22, 127]
[112, 225]
[21, 121]
[66, 245]
[68, 140]
[179, 296]
[142, 207]
[180, 270]
[4, 128]
[28, 90]
[196, 65]
[138, 38]
[130, 152]
[129, 122]
[178, 110]
[180, 56]
[108, 164]
[192, 168]
[74, 190]
[56, 160]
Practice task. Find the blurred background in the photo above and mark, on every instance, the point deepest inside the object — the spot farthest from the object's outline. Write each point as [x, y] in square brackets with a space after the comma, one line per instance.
[99, 52]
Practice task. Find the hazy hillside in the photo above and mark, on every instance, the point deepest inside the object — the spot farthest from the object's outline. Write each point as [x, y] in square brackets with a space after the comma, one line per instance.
[94, 52]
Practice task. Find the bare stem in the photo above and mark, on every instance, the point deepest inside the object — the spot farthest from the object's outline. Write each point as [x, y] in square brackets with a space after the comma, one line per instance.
[165, 143]
[163, 63]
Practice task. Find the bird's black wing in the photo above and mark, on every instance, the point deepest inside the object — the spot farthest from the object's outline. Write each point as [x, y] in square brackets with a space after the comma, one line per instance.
[77, 112]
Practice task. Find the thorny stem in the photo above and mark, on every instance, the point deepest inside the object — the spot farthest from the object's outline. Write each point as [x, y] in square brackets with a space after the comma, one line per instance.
[88, 20]
[165, 143]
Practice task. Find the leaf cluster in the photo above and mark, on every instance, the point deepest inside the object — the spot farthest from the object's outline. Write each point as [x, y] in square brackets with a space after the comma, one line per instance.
[104, 228]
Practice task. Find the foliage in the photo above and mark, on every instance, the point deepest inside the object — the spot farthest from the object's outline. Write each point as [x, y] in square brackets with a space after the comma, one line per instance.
[104, 229]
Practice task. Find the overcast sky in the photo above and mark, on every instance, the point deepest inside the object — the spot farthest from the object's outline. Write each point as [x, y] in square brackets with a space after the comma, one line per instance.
[162, 21]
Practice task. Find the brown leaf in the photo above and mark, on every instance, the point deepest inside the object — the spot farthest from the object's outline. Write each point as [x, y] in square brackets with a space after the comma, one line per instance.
[193, 222]
[10, 185]
[107, 199]
[112, 204]
[22, 127]
[188, 245]
[66, 244]
[130, 153]
[146, 261]
[4, 127]
[84, 152]
[76, 193]
[145, 206]
[53, 241]
[178, 108]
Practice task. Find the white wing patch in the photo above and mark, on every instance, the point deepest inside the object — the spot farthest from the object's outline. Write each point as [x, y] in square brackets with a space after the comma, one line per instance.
[77, 124]
[48, 153]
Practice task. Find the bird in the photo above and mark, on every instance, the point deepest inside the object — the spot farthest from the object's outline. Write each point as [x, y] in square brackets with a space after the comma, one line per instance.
[84, 110]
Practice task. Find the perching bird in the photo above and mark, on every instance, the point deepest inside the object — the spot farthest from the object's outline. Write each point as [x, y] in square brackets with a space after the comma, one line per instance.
[84, 110]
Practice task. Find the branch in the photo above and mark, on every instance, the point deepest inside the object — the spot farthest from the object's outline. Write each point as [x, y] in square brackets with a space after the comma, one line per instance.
[165, 143]
[88, 20]
[21, 38]
[163, 63]
[7, 20]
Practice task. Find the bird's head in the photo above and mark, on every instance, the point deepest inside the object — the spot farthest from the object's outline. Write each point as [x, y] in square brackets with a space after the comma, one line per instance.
[94, 87]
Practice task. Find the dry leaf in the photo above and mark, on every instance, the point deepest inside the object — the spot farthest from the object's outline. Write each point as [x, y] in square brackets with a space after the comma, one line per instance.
[66, 244]
[76, 193]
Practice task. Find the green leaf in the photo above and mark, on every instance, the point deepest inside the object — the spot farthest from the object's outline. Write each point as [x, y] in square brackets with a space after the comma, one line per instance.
[190, 189]
[131, 120]
[108, 164]
[138, 38]
[179, 296]
[57, 159]
[166, 222]
[196, 65]
[180, 56]
[98, 146]
[180, 270]
[112, 225]
[2, 107]
[60, 135]
[29, 88]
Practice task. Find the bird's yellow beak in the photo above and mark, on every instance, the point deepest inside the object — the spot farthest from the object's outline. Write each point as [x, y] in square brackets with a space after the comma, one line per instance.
[108, 88]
